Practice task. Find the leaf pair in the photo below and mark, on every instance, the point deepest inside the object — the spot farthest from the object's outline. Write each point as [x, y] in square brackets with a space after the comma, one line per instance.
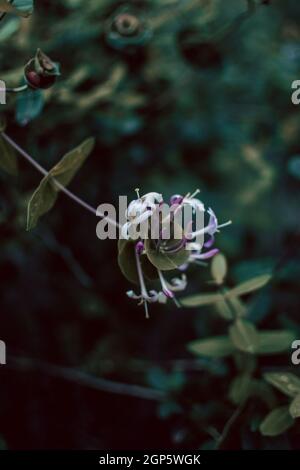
[242, 289]
[282, 418]
[44, 197]
[243, 337]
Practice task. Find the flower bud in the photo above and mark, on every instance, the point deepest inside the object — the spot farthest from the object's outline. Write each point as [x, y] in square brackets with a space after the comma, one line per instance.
[126, 29]
[40, 72]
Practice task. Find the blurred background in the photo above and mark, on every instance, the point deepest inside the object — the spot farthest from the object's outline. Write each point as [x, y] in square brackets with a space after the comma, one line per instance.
[199, 97]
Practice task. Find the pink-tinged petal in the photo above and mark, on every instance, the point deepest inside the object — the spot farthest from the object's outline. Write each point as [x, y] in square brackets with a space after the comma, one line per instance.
[209, 243]
[168, 293]
[139, 248]
[208, 254]
[176, 199]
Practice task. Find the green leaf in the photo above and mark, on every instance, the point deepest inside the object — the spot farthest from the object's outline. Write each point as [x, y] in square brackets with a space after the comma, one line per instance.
[67, 167]
[218, 346]
[295, 407]
[244, 336]
[8, 159]
[219, 268]
[44, 197]
[294, 166]
[272, 342]
[240, 388]
[199, 300]
[224, 310]
[165, 261]
[245, 386]
[127, 262]
[264, 391]
[24, 6]
[9, 28]
[18, 7]
[249, 286]
[276, 422]
[28, 106]
[237, 306]
[287, 383]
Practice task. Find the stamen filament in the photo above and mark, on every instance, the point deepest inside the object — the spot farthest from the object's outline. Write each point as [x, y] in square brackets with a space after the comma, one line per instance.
[142, 282]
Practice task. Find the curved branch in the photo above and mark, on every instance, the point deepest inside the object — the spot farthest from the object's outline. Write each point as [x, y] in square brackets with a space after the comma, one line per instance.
[57, 183]
[82, 378]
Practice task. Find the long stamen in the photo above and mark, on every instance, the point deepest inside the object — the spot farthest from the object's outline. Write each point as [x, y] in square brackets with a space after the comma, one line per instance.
[164, 285]
[146, 310]
[208, 227]
[176, 302]
[225, 224]
[197, 191]
[141, 279]
[203, 231]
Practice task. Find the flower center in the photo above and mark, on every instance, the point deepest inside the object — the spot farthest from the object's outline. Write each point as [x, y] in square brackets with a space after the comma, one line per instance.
[127, 24]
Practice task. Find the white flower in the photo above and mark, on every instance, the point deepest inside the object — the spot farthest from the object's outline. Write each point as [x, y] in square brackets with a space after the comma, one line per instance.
[175, 285]
[140, 210]
[143, 208]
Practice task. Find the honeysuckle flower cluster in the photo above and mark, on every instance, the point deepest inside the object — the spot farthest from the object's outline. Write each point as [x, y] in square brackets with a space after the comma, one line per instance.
[147, 259]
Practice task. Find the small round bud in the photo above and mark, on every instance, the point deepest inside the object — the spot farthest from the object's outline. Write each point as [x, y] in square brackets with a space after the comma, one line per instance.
[40, 72]
[126, 24]
[176, 199]
[126, 29]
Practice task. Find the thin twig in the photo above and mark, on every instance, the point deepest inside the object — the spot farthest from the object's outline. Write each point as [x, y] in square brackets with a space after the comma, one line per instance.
[229, 424]
[59, 185]
[82, 378]
[18, 89]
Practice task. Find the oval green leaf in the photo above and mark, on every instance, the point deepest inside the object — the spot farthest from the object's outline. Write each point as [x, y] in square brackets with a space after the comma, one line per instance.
[276, 422]
[274, 342]
[44, 197]
[219, 268]
[198, 300]
[249, 286]
[165, 261]
[218, 346]
[287, 383]
[295, 407]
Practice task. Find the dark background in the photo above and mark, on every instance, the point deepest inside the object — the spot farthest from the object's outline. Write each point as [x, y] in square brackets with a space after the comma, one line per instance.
[189, 111]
